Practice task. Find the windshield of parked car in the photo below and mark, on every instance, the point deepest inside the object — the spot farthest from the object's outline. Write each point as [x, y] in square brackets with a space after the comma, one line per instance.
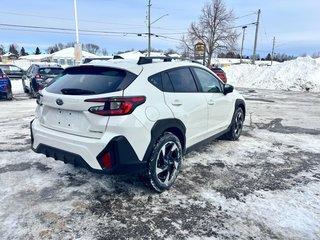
[88, 80]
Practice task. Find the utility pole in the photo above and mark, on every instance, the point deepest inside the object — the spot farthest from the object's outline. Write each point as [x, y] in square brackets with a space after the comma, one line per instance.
[272, 54]
[256, 38]
[149, 28]
[243, 33]
[77, 49]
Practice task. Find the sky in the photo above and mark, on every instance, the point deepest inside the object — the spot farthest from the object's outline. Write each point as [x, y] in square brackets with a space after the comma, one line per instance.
[293, 23]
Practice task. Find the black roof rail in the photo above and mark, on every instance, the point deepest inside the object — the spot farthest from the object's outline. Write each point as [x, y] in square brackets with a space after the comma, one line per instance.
[146, 60]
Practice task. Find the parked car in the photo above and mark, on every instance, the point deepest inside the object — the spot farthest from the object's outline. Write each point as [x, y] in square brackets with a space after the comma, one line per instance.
[38, 76]
[119, 117]
[220, 73]
[5, 85]
[12, 71]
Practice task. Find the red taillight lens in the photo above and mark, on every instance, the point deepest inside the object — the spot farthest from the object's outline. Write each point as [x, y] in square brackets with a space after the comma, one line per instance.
[38, 76]
[6, 88]
[106, 160]
[40, 87]
[116, 106]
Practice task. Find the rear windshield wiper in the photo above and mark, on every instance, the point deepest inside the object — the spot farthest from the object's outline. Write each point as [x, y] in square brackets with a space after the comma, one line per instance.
[76, 91]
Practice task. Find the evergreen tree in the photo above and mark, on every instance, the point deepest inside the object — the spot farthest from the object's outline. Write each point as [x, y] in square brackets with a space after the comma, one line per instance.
[13, 49]
[23, 52]
[2, 50]
[37, 51]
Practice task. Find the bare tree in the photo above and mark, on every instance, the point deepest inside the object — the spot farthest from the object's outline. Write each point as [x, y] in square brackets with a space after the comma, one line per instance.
[91, 48]
[214, 28]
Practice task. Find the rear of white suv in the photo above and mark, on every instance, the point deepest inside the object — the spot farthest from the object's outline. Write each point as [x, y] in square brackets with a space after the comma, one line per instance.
[117, 117]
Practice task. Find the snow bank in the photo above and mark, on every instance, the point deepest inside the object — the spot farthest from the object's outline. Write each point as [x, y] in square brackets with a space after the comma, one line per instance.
[301, 74]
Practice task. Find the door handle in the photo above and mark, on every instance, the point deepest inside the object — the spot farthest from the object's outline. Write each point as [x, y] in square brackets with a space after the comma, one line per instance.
[210, 102]
[176, 102]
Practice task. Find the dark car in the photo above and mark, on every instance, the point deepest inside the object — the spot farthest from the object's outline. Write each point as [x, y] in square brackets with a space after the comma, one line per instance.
[5, 85]
[220, 73]
[38, 76]
[12, 71]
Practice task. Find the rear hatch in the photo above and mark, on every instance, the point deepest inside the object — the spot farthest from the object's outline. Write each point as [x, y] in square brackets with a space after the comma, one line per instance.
[70, 104]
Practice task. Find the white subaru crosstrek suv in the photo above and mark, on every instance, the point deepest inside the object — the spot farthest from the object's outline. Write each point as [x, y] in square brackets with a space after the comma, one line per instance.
[120, 117]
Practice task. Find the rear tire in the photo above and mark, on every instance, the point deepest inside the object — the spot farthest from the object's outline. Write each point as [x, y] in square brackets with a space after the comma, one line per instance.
[9, 95]
[165, 162]
[24, 87]
[32, 92]
[236, 125]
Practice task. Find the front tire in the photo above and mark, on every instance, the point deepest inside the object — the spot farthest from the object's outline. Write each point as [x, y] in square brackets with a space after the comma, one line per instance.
[165, 162]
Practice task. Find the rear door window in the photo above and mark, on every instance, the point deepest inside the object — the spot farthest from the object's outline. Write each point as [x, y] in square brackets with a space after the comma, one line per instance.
[88, 80]
[182, 80]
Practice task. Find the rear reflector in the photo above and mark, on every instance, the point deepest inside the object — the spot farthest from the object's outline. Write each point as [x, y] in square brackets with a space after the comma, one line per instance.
[106, 160]
[115, 106]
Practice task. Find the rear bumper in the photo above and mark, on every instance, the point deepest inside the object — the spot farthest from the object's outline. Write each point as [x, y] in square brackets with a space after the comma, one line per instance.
[86, 152]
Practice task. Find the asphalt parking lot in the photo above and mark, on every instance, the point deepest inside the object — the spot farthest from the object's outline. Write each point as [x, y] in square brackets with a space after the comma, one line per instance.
[264, 186]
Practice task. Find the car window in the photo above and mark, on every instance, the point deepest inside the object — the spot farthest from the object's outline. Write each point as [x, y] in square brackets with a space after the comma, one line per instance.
[208, 82]
[166, 82]
[182, 80]
[14, 68]
[49, 71]
[87, 80]
[156, 80]
[4, 67]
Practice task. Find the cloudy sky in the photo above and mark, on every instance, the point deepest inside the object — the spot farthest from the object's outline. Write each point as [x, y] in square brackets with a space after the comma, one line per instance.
[294, 23]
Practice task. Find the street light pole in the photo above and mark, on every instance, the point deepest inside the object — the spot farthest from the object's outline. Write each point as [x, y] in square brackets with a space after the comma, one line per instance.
[243, 33]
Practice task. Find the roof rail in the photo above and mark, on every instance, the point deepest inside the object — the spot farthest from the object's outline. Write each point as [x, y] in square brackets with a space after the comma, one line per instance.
[146, 60]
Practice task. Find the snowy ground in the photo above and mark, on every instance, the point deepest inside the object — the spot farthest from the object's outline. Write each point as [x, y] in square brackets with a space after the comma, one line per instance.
[264, 186]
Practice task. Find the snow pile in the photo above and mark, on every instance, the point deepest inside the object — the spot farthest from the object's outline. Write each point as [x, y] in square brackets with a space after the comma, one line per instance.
[301, 74]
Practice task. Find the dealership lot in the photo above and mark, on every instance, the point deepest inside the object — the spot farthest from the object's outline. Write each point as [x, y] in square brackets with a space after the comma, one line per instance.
[266, 185]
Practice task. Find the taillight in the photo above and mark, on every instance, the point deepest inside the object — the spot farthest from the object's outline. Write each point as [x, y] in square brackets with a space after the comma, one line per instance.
[38, 76]
[6, 88]
[40, 87]
[115, 106]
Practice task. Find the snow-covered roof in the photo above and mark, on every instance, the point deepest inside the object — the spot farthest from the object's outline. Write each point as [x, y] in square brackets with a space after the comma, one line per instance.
[33, 57]
[69, 53]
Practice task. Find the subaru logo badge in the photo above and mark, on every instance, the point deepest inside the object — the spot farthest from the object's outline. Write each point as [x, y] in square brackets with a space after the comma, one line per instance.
[59, 101]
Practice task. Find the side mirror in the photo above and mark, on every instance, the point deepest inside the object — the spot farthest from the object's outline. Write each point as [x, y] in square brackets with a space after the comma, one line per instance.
[228, 89]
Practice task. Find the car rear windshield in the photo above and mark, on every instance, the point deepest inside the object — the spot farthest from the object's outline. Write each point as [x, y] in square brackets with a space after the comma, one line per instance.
[1, 71]
[217, 70]
[50, 71]
[88, 80]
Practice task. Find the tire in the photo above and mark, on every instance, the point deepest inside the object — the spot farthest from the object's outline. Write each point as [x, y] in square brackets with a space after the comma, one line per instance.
[236, 125]
[32, 92]
[165, 162]
[24, 87]
[9, 95]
